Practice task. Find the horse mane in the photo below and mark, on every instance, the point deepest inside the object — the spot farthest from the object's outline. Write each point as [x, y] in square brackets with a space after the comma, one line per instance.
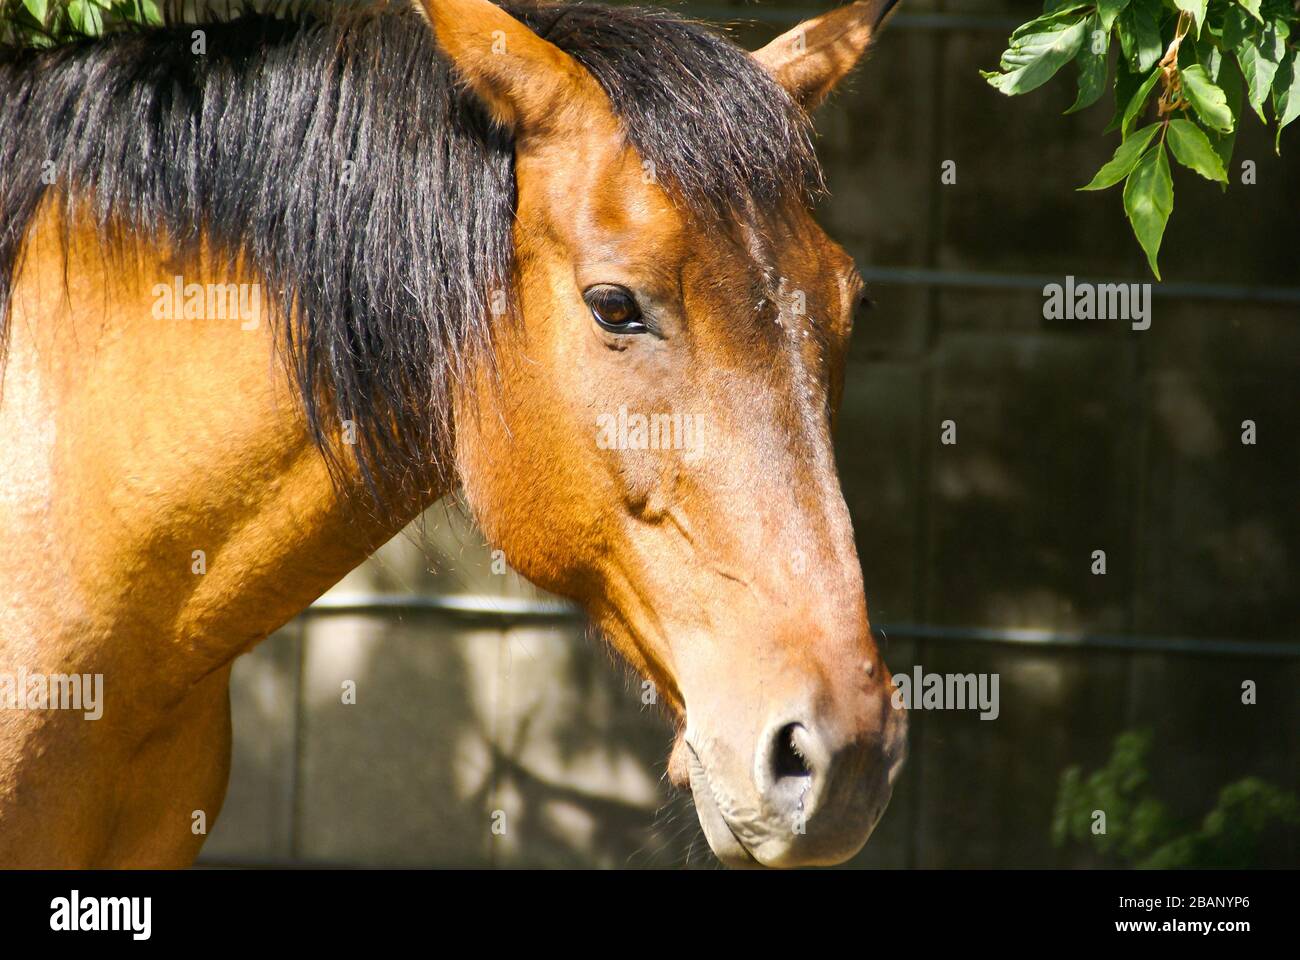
[386, 279]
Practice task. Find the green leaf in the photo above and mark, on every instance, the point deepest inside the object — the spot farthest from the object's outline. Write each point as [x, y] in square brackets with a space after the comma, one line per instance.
[1125, 159]
[1205, 53]
[1236, 27]
[86, 17]
[1259, 62]
[1108, 10]
[1193, 150]
[1275, 33]
[150, 13]
[1286, 95]
[1251, 7]
[1139, 37]
[1138, 100]
[1092, 67]
[38, 9]
[1232, 84]
[1047, 23]
[1037, 51]
[1148, 201]
[1196, 8]
[1126, 84]
[1282, 26]
[1207, 98]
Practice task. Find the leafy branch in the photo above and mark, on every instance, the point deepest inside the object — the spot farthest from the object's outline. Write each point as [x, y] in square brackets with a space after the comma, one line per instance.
[1141, 832]
[1193, 61]
[45, 23]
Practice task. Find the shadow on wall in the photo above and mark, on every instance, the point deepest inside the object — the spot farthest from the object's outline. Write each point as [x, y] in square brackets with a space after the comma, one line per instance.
[1068, 441]
[465, 745]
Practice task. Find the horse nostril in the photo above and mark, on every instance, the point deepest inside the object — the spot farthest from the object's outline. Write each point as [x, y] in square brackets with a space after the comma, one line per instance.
[788, 761]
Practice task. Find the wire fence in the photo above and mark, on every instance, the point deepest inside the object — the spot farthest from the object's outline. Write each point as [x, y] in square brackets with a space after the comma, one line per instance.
[508, 612]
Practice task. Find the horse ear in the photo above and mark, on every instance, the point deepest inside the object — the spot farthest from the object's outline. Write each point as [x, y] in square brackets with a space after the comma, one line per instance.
[809, 60]
[527, 84]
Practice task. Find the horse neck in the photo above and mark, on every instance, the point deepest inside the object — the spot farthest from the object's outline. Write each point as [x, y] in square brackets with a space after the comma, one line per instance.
[168, 489]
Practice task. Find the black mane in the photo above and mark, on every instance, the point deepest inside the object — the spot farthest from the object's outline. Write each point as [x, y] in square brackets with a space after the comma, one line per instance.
[388, 276]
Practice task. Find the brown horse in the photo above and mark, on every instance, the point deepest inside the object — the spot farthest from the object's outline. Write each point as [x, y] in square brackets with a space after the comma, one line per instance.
[273, 286]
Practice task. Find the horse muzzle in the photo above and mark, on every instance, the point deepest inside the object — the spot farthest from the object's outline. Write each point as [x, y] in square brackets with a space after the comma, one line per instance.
[797, 794]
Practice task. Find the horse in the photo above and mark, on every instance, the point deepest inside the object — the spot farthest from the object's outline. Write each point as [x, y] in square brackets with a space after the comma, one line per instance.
[275, 283]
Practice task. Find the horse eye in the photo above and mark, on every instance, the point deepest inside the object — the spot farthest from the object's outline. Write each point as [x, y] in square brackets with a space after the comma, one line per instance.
[615, 309]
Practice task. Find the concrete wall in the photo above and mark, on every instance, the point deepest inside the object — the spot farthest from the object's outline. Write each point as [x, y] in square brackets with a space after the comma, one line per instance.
[1072, 436]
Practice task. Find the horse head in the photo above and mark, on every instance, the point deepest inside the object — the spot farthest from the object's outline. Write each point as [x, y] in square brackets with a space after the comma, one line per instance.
[652, 436]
